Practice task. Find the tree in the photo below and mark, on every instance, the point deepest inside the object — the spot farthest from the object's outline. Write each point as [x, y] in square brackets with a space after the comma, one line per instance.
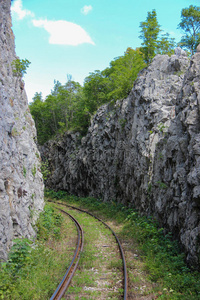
[115, 82]
[150, 30]
[190, 24]
[62, 110]
[40, 116]
[122, 73]
[153, 43]
[20, 66]
[165, 45]
[96, 87]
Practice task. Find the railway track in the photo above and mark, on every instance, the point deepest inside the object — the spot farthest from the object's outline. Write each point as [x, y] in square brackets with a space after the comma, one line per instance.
[69, 274]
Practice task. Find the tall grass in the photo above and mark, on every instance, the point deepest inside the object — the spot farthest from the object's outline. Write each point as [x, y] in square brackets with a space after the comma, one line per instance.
[30, 270]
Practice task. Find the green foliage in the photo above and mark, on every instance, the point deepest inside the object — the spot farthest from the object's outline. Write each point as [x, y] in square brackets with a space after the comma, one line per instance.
[62, 110]
[122, 123]
[14, 132]
[45, 169]
[34, 170]
[24, 171]
[164, 260]
[20, 66]
[152, 43]
[161, 184]
[24, 276]
[115, 82]
[161, 127]
[150, 30]
[49, 223]
[70, 107]
[19, 255]
[190, 24]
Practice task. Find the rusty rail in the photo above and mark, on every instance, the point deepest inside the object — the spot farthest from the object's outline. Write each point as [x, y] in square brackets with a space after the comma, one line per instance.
[62, 287]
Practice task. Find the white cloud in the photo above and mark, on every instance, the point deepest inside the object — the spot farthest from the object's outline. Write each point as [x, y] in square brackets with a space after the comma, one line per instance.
[17, 9]
[86, 9]
[64, 33]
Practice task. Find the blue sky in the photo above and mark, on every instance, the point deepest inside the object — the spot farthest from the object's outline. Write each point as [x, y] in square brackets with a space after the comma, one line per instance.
[77, 37]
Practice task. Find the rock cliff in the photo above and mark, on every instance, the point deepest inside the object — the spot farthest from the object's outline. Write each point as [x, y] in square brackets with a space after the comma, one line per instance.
[21, 184]
[143, 151]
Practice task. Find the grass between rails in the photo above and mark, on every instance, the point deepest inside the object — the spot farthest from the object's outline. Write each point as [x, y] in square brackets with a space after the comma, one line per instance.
[33, 268]
[162, 257]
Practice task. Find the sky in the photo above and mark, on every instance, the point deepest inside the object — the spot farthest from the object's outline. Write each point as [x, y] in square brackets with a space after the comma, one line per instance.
[66, 37]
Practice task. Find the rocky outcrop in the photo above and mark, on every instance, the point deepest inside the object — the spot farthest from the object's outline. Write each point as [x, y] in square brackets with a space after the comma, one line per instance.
[21, 184]
[144, 151]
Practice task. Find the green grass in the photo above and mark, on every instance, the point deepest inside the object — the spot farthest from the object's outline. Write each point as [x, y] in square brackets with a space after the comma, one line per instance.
[32, 270]
[163, 259]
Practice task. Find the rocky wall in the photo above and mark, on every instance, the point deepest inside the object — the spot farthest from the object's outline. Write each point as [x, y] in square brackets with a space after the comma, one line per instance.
[21, 183]
[144, 151]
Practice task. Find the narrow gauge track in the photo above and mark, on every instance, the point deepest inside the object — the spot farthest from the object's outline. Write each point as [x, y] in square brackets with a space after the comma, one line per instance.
[117, 240]
[62, 287]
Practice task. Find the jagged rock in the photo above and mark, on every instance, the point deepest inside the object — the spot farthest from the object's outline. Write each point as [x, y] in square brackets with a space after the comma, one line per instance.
[198, 48]
[143, 152]
[21, 183]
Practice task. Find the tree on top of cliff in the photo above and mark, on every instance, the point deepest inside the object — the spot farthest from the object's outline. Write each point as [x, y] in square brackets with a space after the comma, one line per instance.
[190, 24]
[152, 43]
[115, 82]
[149, 33]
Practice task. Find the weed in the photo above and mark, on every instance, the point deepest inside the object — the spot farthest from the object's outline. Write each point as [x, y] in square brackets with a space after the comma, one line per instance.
[24, 171]
[149, 188]
[122, 123]
[161, 127]
[37, 155]
[19, 255]
[179, 73]
[34, 170]
[49, 222]
[45, 169]
[14, 132]
[161, 185]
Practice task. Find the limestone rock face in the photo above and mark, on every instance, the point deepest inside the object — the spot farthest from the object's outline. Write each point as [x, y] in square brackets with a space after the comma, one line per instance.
[144, 151]
[21, 184]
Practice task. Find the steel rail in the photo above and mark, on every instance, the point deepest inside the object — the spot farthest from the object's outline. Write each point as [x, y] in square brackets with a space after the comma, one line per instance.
[62, 287]
[118, 242]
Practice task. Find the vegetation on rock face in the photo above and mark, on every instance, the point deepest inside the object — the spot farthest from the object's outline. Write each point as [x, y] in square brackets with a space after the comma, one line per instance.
[20, 66]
